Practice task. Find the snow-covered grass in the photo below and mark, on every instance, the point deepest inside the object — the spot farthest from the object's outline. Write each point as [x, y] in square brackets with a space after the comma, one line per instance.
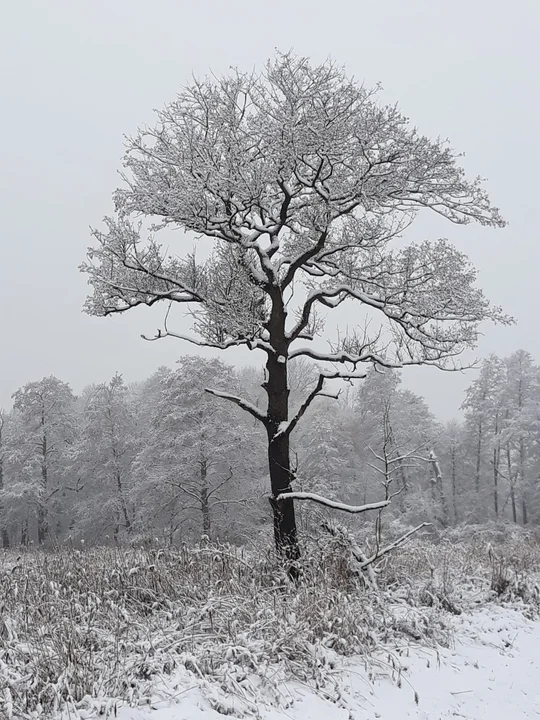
[85, 632]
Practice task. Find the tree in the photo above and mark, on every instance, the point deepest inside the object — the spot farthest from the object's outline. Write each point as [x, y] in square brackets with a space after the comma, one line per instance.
[3, 522]
[304, 182]
[47, 432]
[105, 454]
[195, 448]
[523, 387]
[485, 418]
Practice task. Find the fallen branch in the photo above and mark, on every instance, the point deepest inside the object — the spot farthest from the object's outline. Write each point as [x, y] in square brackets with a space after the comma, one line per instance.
[394, 545]
[368, 575]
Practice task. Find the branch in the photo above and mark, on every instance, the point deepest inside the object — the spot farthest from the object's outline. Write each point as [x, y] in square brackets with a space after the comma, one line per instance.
[255, 344]
[221, 484]
[287, 428]
[303, 258]
[332, 503]
[244, 404]
[393, 545]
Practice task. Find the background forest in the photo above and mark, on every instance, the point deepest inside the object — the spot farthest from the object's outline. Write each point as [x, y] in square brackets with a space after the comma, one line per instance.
[164, 460]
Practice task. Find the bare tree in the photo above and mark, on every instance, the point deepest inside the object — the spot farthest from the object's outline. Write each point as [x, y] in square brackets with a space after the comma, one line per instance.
[304, 181]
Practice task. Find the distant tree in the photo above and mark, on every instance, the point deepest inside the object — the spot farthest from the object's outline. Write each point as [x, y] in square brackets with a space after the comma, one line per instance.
[485, 417]
[195, 448]
[106, 450]
[46, 432]
[523, 401]
[326, 452]
[3, 521]
[304, 181]
[452, 446]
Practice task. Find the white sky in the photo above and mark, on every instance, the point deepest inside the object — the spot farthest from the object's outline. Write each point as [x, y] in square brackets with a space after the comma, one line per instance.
[76, 75]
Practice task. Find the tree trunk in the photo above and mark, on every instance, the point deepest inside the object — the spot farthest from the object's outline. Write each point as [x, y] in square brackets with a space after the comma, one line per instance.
[120, 490]
[276, 386]
[454, 496]
[24, 532]
[437, 485]
[42, 515]
[496, 460]
[495, 484]
[523, 481]
[205, 507]
[511, 480]
[522, 454]
[478, 457]
[5, 535]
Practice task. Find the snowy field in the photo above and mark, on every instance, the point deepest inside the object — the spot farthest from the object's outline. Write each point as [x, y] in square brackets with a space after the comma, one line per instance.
[491, 672]
[213, 631]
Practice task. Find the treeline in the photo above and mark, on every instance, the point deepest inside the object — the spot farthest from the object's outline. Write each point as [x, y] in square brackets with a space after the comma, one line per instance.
[164, 459]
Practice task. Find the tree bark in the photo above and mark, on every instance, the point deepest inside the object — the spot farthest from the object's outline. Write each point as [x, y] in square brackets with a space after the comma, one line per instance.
[276, 386]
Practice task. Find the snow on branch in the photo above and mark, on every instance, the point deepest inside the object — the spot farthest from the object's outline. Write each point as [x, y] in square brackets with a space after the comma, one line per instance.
[244, 404]
[332, 503]
[252, 344]
[392, 546]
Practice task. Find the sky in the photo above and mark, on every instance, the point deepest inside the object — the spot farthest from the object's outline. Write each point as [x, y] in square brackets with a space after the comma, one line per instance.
[77, 76]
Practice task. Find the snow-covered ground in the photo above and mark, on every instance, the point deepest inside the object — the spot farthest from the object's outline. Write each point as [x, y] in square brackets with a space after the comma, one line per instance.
[491, 671]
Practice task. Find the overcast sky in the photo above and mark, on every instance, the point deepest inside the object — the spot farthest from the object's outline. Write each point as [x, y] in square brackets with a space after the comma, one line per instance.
[75, 75]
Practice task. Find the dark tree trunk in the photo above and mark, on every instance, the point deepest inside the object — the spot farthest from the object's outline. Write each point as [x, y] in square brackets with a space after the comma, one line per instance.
[276, 386]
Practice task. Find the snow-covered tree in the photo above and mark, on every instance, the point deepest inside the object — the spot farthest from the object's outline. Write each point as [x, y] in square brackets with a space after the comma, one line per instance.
[522, 403]
[484, 419]
[3, 519]
[46, 431]
[197, 451]
[105, 453]
[304, 181]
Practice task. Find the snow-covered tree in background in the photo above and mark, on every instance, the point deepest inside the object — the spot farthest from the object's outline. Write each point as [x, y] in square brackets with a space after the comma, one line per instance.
[4, 535]
[197, 451]
[105, 454]
[523, 401]
[46, 431]
[304, 182]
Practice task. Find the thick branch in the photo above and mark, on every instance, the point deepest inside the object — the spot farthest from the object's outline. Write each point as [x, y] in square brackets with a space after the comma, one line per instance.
[332, 503]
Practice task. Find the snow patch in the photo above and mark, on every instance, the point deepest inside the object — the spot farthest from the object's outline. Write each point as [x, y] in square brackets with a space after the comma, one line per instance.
[491, 673]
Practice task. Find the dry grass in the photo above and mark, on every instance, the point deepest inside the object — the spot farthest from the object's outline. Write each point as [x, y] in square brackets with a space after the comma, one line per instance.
[84, 629]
